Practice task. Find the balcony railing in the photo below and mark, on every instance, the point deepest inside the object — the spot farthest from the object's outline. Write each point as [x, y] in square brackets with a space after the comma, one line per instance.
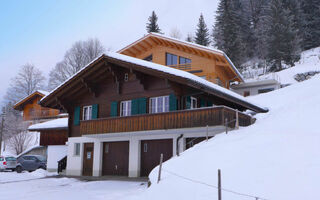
[211, 116]
[185, 66]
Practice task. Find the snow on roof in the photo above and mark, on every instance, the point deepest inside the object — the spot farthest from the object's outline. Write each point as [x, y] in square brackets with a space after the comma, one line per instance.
[60, 123]
[191, 44]
[43, 92]
[168, 70]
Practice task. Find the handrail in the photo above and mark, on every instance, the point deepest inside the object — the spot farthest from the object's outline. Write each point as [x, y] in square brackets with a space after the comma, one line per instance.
[62, 164]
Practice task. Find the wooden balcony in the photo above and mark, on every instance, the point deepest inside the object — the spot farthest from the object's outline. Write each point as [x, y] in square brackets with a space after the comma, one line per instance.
[211, 116]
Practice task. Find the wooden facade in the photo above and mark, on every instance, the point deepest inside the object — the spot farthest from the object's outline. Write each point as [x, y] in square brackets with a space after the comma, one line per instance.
[32, 110]
[53, 137]
[209, 64]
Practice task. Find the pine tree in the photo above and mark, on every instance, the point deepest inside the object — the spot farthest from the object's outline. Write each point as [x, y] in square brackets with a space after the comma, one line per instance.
[202, 33]
[152, 25]
[282, 41]
[189, 37]
[226, 33]
[311, 23]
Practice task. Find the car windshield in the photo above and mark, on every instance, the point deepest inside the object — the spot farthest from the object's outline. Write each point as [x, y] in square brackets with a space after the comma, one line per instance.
[41, 158]
[11, 159]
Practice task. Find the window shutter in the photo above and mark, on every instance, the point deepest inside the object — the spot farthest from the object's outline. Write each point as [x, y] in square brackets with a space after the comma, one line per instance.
[94, 111]
[76, 116]
[114, 109]
[172, 102]
[135, 106]
[188, 102]
[142, 105]
[202, 103]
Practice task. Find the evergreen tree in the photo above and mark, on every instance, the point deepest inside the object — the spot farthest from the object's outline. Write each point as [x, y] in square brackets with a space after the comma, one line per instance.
[226, 32]
[311, 23]
[189, 38]
[202, 33]
[152, 25]
[282, 37]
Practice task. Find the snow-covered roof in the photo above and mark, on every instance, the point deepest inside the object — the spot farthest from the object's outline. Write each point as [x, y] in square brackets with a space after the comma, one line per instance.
[61, 123]
[176, 72]
[190, 44]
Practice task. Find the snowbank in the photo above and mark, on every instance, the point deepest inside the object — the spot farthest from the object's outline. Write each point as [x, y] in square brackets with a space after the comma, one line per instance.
[276, 158]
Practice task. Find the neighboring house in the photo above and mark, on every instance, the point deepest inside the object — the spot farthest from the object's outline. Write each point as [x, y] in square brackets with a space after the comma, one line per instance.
[256, 87]
[124, 112]
[53, 138]
[205, 62]
[32, 111]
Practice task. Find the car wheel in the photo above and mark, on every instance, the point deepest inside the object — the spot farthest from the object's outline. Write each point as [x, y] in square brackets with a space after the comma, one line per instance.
[13, 170]
[19, 169]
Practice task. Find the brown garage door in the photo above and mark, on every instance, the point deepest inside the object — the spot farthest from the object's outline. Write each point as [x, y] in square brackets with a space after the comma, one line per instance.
[150, 154]
[115, 158]
[190, 142]
[87, 159]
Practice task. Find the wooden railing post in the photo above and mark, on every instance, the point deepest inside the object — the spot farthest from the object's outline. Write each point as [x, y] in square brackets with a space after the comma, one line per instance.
[219, 185]
[237, 119]
[160, 168]
[226, 125]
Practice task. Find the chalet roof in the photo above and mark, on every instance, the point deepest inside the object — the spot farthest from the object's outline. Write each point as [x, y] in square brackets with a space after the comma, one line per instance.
[57, 124]
[207, 50]
[20, 104]
[172, 74]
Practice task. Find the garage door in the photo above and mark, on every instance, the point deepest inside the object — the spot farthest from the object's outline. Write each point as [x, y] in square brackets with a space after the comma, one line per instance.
[190, 142]
[150, 154]
[115, 158]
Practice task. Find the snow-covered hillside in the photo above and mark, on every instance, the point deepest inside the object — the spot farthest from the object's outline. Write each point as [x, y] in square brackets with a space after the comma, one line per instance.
[310, 61]
[276, 158]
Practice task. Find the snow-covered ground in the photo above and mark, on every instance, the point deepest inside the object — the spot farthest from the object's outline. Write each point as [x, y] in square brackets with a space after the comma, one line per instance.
[310, 61]
[276, 158]
[33, 186]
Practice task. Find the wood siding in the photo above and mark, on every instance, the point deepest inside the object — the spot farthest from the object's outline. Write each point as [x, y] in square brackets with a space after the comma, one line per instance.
[212, 116]
[53, 137]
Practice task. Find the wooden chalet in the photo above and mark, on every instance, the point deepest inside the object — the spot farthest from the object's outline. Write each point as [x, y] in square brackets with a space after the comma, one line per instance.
[124, 112]
[208, 63]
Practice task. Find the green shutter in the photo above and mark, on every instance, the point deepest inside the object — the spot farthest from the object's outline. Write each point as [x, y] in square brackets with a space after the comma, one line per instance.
[135, 106]
[94, 111]
[142, 106]
[114, 109]
[172, 102]
[188, 102]
[209, 103]
[202, 103]
[76, 116]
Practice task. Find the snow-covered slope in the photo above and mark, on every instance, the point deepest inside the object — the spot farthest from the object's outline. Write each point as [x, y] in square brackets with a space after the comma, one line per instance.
[276, 158]
[310, 61]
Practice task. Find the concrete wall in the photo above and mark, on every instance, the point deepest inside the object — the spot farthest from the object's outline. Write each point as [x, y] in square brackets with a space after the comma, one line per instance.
[54, 154]
[254, 89]
[74, 163]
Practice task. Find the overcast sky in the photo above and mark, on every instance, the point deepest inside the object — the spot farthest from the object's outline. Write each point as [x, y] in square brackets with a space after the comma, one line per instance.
[39, 32]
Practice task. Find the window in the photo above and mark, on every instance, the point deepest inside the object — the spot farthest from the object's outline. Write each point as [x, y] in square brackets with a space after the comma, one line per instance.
[171, 59]
[126, 77]
[246, 93]
[265, 90]
[183, 60]
[159, 104]
[87, 113]
[148, 58]
[125, 108]
[194, 103]
[77, 149]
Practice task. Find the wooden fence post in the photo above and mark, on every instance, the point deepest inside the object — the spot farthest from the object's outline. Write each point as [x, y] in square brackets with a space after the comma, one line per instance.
[207, 133]
[160, 167]
[219, 185]
[237, 119]
[226, 124]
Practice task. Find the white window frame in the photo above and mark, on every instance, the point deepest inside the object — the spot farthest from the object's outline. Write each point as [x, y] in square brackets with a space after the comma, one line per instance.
[126, 106]
[87, 112]
[165, 107]
[75, 149]
[192, 100]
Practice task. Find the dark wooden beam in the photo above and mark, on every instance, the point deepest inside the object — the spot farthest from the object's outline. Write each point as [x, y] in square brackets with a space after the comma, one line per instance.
[89, 87]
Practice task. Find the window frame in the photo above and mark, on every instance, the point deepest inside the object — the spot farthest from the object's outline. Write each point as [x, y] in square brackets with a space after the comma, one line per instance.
[171, 56]
[193, 99]
[128, 112]
[76, 151]
[165, 107]
[87, 112]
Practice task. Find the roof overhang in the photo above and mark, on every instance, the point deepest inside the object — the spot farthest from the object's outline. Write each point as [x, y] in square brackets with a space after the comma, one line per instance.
[19, 105]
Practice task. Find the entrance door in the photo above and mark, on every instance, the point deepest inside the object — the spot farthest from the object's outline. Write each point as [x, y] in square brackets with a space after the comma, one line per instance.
[115, 158]
[87, 159]
[150, 154]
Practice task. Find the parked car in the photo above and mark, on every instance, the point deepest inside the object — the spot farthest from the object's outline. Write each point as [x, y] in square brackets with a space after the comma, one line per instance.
[8, 163]
[31, 163]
